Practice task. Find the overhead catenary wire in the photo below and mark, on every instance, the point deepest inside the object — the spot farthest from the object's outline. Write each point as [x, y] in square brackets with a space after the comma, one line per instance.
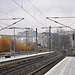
[64, 17]
[72, 24]
[3, 23]
[61, 17]
[36, 8]
[11, 24]
[28, 12]
[42, 14]
[10, 18]
[29, 23]
[60, 23]
[17, 17]
[0, 27]
[13, 19]
[9, 14]
[52, 17]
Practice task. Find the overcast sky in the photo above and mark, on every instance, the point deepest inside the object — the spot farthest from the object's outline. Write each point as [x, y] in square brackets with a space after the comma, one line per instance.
[49, 8]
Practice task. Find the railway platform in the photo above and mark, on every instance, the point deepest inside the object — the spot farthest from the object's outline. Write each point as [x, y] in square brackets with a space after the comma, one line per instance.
[64, 67]
[3, 59]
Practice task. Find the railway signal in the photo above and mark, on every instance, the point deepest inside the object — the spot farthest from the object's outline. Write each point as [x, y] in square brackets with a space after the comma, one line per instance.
[73, 36]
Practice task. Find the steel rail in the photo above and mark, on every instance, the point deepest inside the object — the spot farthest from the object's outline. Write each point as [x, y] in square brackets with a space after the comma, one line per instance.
[46, 67]
[10, 69]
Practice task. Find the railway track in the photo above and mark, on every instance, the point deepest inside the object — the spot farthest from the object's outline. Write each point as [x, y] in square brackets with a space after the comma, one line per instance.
[13, 69]
[42, 70]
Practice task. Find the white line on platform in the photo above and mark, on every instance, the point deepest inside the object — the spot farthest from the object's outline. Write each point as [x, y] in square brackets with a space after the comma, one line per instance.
[64, 67]
[50, 71]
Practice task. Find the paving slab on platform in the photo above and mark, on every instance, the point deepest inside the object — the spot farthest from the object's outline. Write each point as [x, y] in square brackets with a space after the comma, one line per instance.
[64, 67]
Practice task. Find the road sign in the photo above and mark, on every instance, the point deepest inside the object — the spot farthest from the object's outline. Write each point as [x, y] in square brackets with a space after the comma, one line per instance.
[39, 44]
[47, 44]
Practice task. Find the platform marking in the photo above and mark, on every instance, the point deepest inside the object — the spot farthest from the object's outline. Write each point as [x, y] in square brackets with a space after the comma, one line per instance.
[49, 72]
[64, 67]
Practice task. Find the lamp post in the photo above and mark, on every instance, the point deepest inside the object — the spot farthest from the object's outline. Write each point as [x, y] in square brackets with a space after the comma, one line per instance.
[50, 37]
[14, 38]
[14, 41]
[73, 39]
[36, 42]
[26, 41]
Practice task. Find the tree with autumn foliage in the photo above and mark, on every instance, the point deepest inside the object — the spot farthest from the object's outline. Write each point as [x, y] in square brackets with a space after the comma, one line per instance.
[29, 48]
[4, 44]
[32, 47]
[12, 44]
[20, 47]
[0, 45]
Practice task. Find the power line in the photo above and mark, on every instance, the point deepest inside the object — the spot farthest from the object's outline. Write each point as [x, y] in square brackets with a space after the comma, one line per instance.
[0, 26]
[44, 15]
[72, 24]
[10, 18]
[64, 17]
[36, 8]
[52, 27]
[27, 12]
[17, 28]
[61, 17]
[3, 23]
[52, 17]
[28, 22]
[8, 13]
[11, 24]
[59, 23]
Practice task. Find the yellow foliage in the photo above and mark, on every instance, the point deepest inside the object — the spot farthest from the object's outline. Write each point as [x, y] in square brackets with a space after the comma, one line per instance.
[4, 43]
[12, 51]
[29, 48]
[20, 46]
[32, 47]
[5, 52]
[28, 44]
